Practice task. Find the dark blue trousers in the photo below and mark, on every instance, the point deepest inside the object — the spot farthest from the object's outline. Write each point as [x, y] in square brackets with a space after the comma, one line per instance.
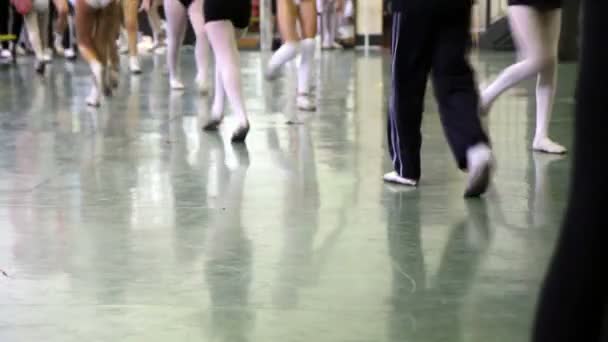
[435, 40]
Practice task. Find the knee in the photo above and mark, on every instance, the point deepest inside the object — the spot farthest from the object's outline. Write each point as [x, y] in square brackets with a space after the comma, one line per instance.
[544, 62]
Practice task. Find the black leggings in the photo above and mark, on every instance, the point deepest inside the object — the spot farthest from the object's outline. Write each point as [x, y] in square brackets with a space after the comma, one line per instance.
[573, 303]
[11, 22]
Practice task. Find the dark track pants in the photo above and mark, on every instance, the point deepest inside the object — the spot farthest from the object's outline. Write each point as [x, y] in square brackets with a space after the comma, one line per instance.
[432, 40]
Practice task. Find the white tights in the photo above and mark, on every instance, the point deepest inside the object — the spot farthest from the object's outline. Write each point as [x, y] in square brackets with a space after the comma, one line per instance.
[176, 30]
[222, 37]
[536, 35]
[36, 24]
[329, 24]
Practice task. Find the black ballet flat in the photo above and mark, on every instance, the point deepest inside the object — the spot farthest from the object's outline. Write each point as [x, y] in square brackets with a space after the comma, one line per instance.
[240, 134]
[213, 124]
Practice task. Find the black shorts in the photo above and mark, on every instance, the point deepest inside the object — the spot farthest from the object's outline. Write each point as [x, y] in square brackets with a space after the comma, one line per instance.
[236, 11]
[186, 3]
[543, 5]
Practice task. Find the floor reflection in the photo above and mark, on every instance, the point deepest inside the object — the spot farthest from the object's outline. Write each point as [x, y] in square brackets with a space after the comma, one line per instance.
[414, 299]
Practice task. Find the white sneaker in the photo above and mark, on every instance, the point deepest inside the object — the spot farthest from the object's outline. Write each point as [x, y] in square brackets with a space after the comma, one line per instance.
[306, 103]
[6, 54]
[176, 84]
[337, 46]
[70, 53]
[393, 177]
[134, 65]
[479, 167]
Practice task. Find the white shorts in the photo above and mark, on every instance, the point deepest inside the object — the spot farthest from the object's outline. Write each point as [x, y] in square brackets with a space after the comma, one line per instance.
[99, 3]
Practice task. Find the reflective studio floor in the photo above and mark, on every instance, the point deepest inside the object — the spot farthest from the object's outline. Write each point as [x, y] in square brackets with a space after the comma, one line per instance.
[127, 223]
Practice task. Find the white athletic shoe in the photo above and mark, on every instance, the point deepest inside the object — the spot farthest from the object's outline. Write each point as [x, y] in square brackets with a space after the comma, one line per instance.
[176, 84]
[70, 53]
[134, 65]
[5, 53]
[393, 177]
[479, 167]
[305, 103]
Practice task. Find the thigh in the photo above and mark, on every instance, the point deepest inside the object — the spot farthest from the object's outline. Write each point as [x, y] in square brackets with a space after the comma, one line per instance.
[286, 13]
[526, 30]
[308, 18]
[195, 13]
[550, 26]
[129, 10]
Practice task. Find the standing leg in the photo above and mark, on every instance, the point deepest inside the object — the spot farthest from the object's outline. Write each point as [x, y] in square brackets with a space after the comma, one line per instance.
[86, 23]
[195, 11]
[129, 12]
[412, 54]
[217, 108]
[33, 31]
[308, 21]
[61, 23]
[526, 28]
[155, 23]
[175, 14]
[223, 41]
[43, 25]
[456, 94]
[546, 84]
[69, 52]
[287, 26]
[113, 30]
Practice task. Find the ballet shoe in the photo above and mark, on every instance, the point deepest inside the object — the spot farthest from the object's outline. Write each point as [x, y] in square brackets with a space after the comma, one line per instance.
[240, 134]
[176, 84]
[546, 145]
[213, 124]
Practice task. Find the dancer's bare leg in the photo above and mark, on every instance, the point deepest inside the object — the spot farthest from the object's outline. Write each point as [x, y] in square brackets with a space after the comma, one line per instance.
[87, 19]
[129, 12]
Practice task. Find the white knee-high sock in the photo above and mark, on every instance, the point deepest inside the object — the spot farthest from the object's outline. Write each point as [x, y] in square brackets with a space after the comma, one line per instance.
[308, 47]
[33, 32]
[176, 27]
[223, 41]
[284, 54]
